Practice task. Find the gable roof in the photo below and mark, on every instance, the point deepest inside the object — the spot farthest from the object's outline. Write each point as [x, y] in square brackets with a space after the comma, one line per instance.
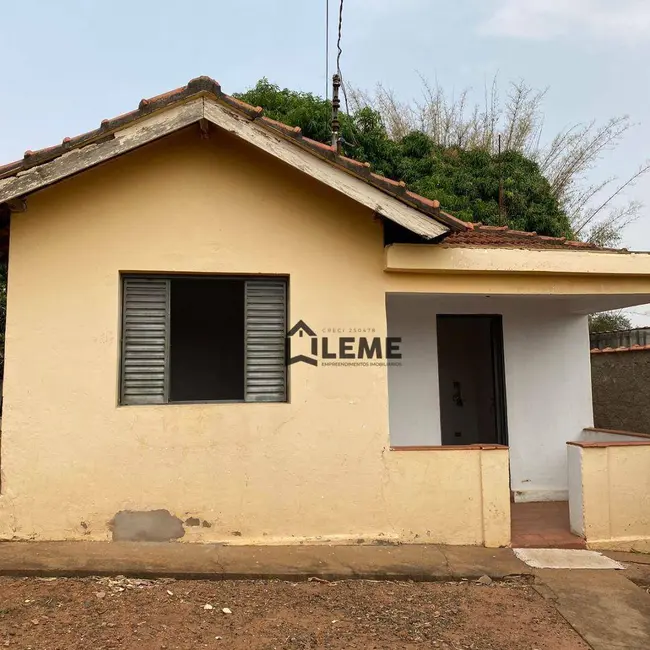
[202, 101]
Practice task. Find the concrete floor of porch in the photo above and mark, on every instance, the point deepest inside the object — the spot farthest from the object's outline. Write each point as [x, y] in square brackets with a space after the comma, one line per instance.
[542, 525]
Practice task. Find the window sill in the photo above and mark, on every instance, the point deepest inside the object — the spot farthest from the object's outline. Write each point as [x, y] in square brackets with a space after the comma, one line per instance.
[219, 401]
[450, 448]
[197, 402]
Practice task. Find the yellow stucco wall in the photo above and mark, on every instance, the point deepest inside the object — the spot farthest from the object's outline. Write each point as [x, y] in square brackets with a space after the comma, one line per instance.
[616, 496]
[317, 468]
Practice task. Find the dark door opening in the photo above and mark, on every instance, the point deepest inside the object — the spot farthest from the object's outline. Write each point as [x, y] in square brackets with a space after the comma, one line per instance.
[472, 380]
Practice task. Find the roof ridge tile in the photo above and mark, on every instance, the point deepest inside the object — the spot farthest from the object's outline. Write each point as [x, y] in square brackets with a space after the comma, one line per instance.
[356, 163]
[252, 111]
[550, 238]
[157, 98]
[281, 126]
[318, 145]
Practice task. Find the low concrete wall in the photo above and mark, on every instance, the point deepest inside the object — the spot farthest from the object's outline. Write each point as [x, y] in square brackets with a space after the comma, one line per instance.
[427, 495]
[473, 480]
[609, 494]
[621, 389]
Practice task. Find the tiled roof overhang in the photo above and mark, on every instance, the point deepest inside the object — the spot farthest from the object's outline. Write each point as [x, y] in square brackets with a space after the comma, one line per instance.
[152, 119]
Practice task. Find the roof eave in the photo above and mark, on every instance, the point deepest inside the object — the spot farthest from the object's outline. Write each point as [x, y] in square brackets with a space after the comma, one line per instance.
[163, 115]
[413, 258]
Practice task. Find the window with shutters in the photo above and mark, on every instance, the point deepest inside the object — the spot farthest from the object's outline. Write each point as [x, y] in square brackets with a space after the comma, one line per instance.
[203, 339]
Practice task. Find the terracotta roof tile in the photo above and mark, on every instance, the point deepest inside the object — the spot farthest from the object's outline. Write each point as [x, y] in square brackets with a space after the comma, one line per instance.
[579, 244]
[494, 228]
[161, 97]
[632, 348]
[294, 130]
[424, 199]
[388, 180]
[462, 233]
[502, 237]
[355, 163]
[123, 116]
[207, 85]
[8, 168]
[319, 145]
[233, 101]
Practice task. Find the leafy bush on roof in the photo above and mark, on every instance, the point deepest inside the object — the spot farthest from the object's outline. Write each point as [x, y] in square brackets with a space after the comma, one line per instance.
[466, 182]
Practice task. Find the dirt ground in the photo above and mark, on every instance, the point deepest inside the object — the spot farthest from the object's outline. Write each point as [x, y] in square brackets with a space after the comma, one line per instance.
[70, 614]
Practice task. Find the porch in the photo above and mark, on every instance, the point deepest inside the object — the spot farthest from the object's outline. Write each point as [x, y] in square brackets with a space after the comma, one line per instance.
[512, 370]
[508, 370]
[544, 524]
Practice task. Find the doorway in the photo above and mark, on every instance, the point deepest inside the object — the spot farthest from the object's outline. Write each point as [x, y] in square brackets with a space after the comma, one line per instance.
[471, 378]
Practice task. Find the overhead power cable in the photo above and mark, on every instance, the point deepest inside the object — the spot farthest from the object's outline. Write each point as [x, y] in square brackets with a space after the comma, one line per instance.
[338, 59]
[327, 50]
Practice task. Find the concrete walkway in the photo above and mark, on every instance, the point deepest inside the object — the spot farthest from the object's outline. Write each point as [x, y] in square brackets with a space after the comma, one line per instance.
[637, 566]
[607, 610]
[150, 559]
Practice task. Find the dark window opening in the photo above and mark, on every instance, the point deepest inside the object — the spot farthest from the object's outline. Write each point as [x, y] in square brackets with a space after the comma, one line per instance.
[206, 340]
[203, 339]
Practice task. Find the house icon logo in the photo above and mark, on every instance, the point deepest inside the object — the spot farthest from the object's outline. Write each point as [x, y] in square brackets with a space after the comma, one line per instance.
[301, 329]
[342, 350]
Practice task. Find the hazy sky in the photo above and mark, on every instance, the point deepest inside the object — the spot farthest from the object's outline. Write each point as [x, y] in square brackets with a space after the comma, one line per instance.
[66, 64]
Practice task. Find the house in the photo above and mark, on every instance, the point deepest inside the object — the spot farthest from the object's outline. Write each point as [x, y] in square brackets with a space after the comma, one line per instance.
[156, 266]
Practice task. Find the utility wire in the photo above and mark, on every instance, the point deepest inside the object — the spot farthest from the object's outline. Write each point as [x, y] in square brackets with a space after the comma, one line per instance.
[338, 70]
[327, 50]
[338, 42]
[338, 59]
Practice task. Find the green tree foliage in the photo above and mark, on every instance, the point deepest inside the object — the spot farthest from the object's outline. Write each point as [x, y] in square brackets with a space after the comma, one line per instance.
[609, 321]
[311, 113]
[466, 182]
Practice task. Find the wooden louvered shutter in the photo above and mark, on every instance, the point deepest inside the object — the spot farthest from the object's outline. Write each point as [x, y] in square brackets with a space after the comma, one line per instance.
[265, 359]
[145, 338]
